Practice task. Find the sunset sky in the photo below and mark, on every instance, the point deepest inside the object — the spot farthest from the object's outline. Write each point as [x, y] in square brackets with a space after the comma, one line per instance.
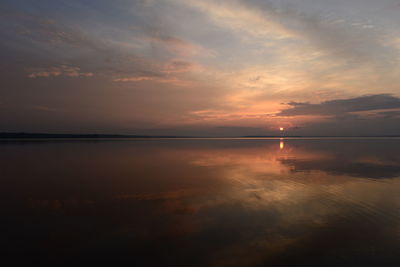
[200, 67]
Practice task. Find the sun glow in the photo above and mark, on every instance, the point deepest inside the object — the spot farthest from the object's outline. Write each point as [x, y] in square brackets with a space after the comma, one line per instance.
[281, 129]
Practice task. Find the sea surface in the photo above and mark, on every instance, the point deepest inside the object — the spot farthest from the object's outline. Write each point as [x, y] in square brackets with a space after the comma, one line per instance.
[200, 202]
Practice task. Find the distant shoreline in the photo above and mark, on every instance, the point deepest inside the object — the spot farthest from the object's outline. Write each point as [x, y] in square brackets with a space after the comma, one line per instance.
[121, 136]
[76, 136]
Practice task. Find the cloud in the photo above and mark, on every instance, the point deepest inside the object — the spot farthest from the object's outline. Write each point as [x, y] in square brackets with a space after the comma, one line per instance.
[343, 106]
[353, 43]
[162, 73]
[160, 78]
[178, 66]
[177, 46]
[140, 76]
[236, 16]
[45, 33]
[134, 79]
[171, 41]
[62, 70]
[339, 39]
[266, 53]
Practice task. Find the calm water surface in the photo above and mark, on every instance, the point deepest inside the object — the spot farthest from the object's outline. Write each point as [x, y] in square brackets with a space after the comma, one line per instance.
[203, 202]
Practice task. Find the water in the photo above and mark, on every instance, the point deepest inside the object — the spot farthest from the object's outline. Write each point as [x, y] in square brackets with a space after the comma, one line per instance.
[201, 202]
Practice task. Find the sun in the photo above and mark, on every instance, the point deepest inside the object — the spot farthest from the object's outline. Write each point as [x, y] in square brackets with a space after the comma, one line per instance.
[281, 129]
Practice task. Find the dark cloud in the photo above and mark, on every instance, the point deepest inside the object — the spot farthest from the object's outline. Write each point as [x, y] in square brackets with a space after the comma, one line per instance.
[342, 106]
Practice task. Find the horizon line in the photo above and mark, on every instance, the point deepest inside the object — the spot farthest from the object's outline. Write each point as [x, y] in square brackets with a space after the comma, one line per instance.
[37, 135]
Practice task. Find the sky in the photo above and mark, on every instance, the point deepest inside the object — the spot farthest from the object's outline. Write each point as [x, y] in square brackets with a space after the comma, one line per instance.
[200, 67]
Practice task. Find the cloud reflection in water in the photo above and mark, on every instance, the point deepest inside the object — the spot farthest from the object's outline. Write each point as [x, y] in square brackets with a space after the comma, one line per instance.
[204, 202]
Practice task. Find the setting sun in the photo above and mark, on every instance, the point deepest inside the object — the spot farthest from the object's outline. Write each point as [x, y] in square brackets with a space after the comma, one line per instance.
[281, 129]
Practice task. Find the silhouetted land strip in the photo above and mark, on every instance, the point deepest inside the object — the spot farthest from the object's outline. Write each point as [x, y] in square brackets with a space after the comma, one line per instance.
[121, 136]
[76, 136]
[318, 136]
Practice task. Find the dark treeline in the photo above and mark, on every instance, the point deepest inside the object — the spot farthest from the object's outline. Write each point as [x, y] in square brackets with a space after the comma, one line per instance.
[51, 135]
[8, 135]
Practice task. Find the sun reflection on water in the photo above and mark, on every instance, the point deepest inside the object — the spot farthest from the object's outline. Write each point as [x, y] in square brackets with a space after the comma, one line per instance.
[281, 144]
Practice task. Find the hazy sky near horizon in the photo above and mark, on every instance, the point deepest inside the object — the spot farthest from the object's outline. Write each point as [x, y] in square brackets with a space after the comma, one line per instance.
[200, 67]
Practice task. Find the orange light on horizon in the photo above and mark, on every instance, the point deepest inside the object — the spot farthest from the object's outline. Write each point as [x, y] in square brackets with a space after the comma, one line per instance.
[281, 129]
